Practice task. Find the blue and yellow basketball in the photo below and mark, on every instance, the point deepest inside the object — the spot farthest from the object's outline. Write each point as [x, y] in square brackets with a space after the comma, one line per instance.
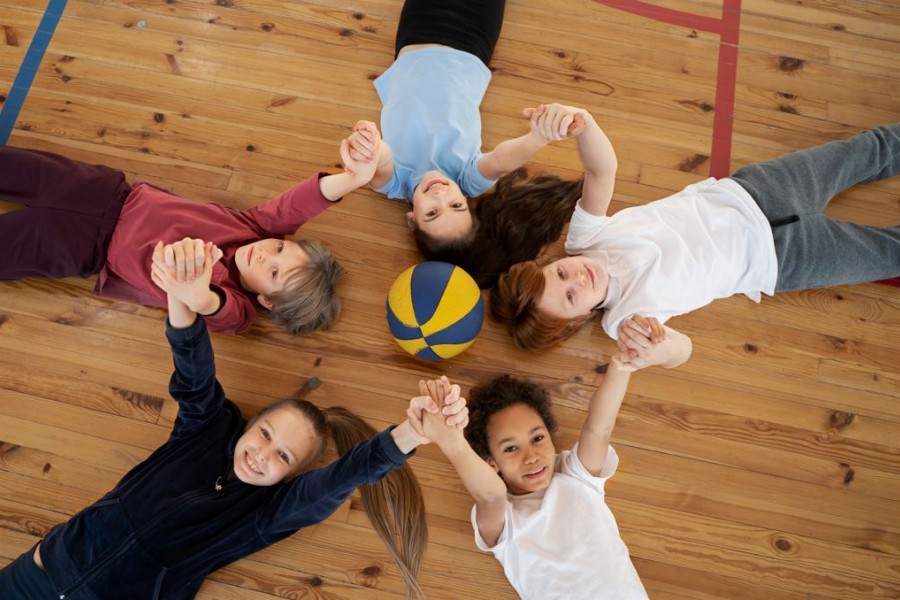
[435, 310]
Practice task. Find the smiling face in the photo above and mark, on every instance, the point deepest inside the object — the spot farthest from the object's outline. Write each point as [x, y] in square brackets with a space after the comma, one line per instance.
[439, 208]
[274, 447]
[573, 286]
[266, 266]
[522, 451]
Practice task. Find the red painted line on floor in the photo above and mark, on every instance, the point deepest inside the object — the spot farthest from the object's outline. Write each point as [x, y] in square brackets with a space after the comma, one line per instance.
[728, 28]
[666, 15]
[726, 82]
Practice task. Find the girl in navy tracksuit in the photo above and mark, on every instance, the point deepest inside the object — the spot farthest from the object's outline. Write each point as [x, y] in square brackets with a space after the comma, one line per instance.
[219, 489]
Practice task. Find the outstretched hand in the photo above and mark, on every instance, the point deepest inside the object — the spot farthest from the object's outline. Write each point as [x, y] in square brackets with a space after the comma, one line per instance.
[644, 342]
[434, 425]
[361, 151]
[554, 122]
[183, 259]
[184, 269]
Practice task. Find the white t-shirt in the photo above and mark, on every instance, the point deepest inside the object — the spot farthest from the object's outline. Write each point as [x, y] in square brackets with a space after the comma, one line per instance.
[562, 542]
[669, 257]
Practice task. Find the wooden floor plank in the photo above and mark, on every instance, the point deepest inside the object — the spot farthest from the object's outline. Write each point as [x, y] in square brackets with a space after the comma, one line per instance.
[766, 467]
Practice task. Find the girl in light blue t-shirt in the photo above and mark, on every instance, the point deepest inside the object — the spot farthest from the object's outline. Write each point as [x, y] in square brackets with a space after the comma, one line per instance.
[431, 154]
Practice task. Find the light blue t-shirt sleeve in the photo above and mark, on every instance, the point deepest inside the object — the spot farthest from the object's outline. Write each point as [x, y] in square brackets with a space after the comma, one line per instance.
[396, 188]
[431, 118]
[471, 181]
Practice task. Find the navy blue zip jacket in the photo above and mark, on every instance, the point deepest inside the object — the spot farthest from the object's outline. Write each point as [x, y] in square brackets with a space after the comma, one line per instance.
[165, 527]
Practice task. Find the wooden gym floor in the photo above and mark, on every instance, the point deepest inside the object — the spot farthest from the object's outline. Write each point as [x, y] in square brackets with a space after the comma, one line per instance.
[766, 467]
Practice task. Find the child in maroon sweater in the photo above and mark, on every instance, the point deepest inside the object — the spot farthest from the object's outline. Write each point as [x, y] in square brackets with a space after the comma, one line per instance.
[81, 219]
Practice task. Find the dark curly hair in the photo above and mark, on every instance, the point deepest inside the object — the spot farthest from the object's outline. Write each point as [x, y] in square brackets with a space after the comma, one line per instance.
[495, 395]
[511, 223]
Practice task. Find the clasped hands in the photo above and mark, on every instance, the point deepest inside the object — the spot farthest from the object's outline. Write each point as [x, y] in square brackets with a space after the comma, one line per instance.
[438, 414]
[642, 342]
[183, 269]
[554, 122]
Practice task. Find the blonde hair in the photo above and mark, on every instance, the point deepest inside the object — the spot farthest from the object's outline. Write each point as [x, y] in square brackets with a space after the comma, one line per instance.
[393, 504]
[309, 300]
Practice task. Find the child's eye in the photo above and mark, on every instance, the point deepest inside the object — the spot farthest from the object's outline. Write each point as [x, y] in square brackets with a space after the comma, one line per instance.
[280, 247]
[431, 213]
[570, 297]
[265, 433]
[559, 273]
[457, 205]
[274, 272]
[509, 449]
[284, 457]
[538, 438]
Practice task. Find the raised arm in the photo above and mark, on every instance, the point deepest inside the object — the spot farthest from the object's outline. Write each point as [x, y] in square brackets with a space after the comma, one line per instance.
[593, 444]
[193, 384]
[511, 154]
[481, 481]
[600, 165]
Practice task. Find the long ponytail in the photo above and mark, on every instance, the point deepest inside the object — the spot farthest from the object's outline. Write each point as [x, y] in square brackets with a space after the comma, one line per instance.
[394, 504]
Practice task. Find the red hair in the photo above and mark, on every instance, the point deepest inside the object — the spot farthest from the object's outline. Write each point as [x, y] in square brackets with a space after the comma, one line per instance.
[514, 303]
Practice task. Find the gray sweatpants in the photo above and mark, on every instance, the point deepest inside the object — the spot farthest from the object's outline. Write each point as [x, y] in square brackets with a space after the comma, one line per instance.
[814, 250]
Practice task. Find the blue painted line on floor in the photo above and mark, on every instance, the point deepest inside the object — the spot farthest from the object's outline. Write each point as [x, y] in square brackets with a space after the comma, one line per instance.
[29, 67]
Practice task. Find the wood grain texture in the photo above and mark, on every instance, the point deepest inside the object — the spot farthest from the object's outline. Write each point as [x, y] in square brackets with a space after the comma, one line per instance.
[766, 467]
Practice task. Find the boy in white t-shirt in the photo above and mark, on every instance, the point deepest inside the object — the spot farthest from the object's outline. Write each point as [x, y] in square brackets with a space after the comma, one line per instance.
[543, 515]
[760, 231]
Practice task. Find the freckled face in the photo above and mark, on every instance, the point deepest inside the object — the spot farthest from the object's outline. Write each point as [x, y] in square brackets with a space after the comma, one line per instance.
[573, 286]
[522, 451]
[274, 447]
[266, 264]
[439, 207]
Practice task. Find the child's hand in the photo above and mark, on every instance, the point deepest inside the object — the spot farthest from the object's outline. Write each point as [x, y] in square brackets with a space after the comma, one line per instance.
[365, 141]
[447, 426]
[642, 343]
[361, 151]
[419, 406]
[553, 122]
[184, 259]
[164, 273]
[623, 362]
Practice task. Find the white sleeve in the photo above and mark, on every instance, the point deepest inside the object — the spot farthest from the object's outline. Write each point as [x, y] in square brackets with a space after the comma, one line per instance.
[498, 548]
[585, 230]
[571, 465]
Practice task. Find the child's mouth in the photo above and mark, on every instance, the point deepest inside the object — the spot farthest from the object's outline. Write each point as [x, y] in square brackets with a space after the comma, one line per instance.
[432, 183]
[250, 464]
[535, 474]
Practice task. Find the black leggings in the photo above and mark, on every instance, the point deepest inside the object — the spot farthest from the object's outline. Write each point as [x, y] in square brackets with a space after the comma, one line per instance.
[472, 26]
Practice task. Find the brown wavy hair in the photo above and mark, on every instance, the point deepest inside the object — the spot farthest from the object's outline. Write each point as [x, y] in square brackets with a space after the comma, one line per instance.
[511, 223]
[513, 304]
[394, 504]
